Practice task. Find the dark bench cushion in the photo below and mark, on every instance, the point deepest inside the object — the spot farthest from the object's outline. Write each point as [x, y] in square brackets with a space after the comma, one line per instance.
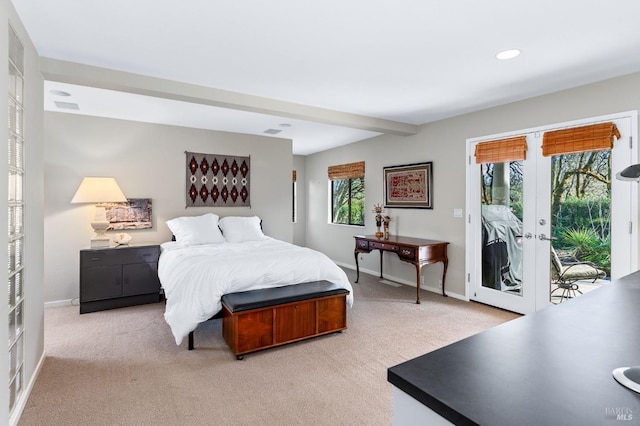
[262, 298]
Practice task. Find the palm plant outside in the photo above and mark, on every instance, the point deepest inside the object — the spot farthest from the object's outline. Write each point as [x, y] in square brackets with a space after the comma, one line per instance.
[580, 206]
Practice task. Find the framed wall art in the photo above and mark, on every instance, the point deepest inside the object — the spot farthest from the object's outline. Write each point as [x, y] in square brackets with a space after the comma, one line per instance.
[409, 186]
[135, 213]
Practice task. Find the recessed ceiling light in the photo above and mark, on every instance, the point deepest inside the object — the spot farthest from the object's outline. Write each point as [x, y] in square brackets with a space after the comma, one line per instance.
[59, 93]
[285, 125]
[508, 54]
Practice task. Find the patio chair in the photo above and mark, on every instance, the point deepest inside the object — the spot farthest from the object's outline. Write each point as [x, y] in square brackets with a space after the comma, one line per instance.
[567, 274]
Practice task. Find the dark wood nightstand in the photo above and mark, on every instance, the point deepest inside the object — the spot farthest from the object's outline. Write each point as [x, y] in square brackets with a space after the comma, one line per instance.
[115, 277]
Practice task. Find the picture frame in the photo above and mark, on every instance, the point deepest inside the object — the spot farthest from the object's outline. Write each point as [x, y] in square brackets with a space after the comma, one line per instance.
[135, 213]
[409, 186]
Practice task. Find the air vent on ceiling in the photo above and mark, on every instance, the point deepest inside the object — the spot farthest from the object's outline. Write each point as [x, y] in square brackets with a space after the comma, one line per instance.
[67, 105]
[272, 131]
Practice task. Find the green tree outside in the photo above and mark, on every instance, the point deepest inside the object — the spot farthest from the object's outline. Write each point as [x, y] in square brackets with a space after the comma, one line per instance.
[348, 201]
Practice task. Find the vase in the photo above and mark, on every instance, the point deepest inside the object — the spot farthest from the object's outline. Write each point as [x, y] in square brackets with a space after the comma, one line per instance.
[379, 233]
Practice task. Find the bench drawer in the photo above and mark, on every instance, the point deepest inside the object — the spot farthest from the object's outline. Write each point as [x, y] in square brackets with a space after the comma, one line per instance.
[255, 330]
[332, 314]
[295, 321]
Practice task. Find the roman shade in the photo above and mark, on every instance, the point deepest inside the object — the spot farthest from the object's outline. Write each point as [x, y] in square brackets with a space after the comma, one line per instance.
[502, 150]
[594, 137]
[346, 171]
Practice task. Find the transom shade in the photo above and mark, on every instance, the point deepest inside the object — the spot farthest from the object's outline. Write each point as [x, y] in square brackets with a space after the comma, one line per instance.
[98, 190]
[594, 137]
[502, 150]
[346, 171]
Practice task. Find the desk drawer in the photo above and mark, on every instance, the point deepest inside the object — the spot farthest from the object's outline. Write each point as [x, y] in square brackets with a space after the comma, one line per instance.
[407, 252]
[362, 244]
[383, 246]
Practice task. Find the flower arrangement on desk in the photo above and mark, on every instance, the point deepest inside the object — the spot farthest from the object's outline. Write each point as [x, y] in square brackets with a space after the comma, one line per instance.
[378, 210]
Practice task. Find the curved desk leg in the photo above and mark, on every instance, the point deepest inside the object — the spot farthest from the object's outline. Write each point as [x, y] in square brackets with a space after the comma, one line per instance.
[444, 274]
[418, 275]
[355, 253]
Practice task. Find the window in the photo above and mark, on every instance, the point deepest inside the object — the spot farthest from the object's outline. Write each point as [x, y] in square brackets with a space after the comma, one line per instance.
[347, 206]
[347, 193]
[16, 219]
[294, 212]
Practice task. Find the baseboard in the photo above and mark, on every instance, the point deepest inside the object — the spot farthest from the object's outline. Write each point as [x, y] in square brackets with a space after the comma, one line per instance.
[58, 303]
[22, 401]
[402, 281]
[345, 265]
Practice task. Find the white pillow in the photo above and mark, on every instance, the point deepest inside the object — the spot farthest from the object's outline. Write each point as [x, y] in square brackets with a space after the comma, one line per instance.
[238, 229]
[195, 230]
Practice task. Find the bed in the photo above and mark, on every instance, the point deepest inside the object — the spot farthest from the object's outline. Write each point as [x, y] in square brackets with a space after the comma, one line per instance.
[211, 257]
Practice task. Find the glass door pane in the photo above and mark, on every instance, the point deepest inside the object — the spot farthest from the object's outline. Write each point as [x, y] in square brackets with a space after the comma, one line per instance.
[581, 223]
[501, 199]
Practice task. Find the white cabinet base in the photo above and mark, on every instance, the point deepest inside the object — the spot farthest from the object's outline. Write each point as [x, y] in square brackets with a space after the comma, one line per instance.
[408, 411]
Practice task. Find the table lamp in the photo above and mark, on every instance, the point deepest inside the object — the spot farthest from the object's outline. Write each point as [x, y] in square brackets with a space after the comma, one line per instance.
[99, 190]
[629, 377]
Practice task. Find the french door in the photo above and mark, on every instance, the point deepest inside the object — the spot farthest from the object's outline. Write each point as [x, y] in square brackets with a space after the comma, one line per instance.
[509, 224]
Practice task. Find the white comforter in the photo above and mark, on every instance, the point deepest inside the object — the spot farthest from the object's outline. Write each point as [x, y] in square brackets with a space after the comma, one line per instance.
[195, 278]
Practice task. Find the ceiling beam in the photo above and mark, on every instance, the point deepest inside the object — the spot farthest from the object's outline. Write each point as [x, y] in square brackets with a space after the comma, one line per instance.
[103, 78]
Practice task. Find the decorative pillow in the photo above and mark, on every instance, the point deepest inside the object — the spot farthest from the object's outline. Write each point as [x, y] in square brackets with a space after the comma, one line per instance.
[237, 229]
[195, 230]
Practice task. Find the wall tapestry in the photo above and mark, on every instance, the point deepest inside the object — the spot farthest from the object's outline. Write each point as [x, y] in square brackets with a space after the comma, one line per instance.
[408, 186]
[215, 180]
[135, 213]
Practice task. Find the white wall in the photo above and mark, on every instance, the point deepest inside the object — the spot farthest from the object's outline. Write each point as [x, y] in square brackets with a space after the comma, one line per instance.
[148, 161]
[33, 195]
[300, 227]
[444, 143]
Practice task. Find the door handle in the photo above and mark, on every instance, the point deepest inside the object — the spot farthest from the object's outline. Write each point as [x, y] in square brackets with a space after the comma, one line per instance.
[543, 237]
[528, 235]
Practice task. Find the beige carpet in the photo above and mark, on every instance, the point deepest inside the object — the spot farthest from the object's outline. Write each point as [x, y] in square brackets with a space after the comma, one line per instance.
[122, 367]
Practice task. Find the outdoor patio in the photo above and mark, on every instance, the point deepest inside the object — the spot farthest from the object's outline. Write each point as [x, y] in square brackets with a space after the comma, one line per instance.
[585, 286]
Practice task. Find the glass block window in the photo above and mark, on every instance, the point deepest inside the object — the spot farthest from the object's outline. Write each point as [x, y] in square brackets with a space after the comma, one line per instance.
[15, 204]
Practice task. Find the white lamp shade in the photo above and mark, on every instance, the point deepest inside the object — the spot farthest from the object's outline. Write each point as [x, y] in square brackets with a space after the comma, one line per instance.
[98, 190]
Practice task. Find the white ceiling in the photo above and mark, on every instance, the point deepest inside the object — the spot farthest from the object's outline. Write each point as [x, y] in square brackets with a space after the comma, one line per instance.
[411, 61]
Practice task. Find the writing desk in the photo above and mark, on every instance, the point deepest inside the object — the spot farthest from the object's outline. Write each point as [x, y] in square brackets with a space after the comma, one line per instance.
[416, 251]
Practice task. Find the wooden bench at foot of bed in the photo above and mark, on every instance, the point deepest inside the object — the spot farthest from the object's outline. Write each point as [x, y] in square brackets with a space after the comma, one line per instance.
[260, 319]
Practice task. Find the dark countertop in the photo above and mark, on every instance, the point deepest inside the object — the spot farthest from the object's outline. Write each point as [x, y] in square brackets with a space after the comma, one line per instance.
[552, 367]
